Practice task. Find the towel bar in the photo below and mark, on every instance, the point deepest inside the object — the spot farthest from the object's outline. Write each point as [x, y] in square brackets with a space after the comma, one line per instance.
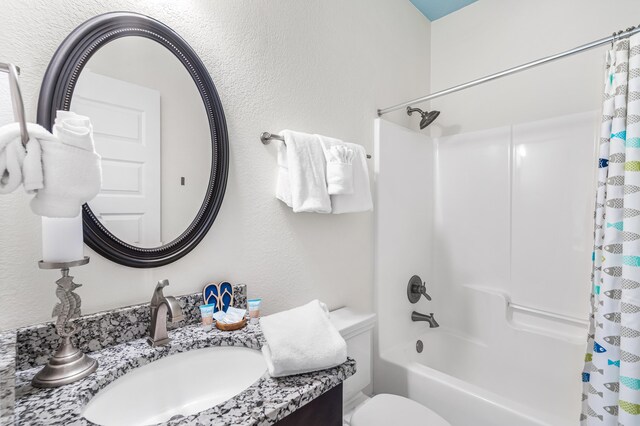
[266, 137]
[16, 100]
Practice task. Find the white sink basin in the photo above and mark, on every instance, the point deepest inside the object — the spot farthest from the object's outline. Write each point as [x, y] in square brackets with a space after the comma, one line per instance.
[185, 383]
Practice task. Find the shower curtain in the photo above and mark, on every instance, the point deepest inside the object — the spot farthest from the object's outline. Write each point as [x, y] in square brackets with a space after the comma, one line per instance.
[611, 377]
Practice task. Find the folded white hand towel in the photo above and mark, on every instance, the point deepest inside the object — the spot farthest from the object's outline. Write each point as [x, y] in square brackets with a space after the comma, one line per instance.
[339, 158]
[302, 181]
[72, 172]
[359, 200]
[301, 340]
[17, 164]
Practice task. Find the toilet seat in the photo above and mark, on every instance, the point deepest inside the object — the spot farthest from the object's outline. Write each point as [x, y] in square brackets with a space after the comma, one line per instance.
[386, 409]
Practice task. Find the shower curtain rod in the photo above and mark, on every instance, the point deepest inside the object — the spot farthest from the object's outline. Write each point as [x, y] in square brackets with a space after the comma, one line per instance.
[616, 36]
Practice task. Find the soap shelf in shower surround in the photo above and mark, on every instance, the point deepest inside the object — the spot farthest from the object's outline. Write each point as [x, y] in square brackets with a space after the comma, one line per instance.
[549, 324]
[497, 307]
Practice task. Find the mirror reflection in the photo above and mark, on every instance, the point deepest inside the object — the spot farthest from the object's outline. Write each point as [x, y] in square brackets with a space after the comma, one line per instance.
[151, 129]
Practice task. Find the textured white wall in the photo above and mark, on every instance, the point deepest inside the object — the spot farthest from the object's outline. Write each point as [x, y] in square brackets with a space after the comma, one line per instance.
[491, 35]
[318, 65]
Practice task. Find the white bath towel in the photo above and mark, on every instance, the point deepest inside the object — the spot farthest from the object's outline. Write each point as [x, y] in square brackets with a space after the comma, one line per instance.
[360, 199]
[301, 340]
[17, 164]
[301, 173]
[339, 158]
[72, 172]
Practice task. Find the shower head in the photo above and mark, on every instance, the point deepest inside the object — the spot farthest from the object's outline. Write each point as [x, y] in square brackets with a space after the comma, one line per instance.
[427, 116]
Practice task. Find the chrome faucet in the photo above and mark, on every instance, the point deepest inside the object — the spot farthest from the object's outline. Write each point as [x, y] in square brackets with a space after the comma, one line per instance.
[417, 316]
[162, 307]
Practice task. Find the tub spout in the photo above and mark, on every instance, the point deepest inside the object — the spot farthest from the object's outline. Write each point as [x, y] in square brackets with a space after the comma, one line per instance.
[417, 316]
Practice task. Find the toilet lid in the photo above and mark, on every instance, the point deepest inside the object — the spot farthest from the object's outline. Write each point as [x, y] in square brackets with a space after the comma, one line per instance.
[391, 410]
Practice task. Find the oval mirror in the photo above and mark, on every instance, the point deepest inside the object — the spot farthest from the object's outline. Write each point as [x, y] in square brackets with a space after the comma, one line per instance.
[159, 127]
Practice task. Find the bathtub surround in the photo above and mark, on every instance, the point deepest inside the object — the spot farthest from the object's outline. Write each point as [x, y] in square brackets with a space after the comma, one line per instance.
[255, 239]
[497, 203]
[611, 375]
[403, 235]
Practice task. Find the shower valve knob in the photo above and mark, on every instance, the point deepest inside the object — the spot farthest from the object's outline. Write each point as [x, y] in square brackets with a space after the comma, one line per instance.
[416, 288]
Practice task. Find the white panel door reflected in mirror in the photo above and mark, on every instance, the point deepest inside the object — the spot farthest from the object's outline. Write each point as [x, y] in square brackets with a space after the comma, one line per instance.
[151, 129]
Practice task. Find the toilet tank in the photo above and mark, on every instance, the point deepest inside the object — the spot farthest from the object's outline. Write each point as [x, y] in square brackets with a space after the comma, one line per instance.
[356, 329]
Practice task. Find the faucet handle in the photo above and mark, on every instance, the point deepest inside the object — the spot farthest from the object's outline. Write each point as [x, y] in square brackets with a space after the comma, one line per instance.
[158, 295]
[423, 290]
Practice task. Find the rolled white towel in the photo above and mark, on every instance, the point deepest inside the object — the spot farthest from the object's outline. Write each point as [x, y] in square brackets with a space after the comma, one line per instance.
[72, 172]
[301, 340]
[360, 200]
[339, 169]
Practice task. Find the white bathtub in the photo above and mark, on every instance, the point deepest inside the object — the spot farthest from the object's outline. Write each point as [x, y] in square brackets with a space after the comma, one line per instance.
[468, 383]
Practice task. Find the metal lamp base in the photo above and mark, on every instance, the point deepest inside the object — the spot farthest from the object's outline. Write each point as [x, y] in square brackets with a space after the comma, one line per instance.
[66, 366]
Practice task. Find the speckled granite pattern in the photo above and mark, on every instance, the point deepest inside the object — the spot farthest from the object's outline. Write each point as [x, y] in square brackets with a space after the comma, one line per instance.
[7, 376]
[264, 403]
[98, 331]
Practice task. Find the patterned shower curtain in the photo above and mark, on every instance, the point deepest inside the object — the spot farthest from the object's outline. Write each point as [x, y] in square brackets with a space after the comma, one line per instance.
[611, 388]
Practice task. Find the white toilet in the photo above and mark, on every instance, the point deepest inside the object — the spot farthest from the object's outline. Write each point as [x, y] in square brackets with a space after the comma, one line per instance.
[383, 409]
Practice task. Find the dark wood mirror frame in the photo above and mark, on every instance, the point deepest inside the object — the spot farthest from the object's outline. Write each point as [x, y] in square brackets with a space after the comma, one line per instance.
[56, 93]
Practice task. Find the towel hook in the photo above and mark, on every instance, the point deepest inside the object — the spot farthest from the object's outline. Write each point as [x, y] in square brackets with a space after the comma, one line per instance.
[16, 100]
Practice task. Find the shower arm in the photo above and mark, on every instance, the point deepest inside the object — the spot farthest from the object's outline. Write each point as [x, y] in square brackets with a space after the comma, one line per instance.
[412, 110]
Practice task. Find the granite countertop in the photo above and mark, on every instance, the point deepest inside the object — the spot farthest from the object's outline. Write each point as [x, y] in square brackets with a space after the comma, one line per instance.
[263, 403]
[7, 376]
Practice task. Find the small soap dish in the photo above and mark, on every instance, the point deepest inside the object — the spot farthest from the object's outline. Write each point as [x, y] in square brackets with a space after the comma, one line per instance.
[230, 327]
